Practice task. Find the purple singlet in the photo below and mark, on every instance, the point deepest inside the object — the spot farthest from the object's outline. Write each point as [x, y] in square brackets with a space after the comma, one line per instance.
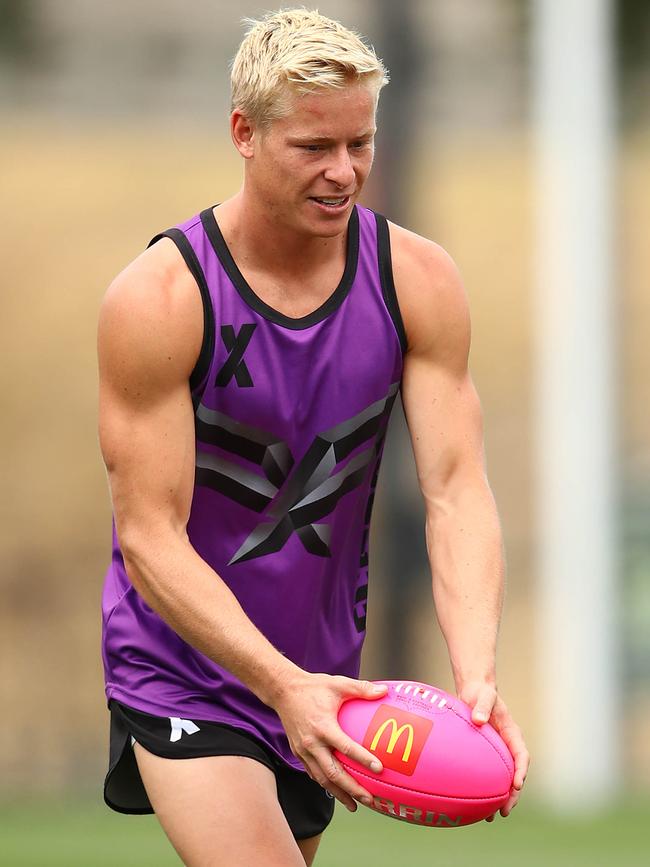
[290, 419]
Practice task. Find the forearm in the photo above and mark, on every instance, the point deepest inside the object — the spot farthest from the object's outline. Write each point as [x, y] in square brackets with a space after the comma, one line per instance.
[191, 597]
[465, 548]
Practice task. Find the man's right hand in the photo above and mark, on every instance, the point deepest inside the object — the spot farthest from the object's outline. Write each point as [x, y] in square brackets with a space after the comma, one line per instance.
[308, 706]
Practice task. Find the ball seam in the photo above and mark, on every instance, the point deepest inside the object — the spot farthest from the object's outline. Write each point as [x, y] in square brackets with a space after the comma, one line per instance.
[426, 794]
[487, 740]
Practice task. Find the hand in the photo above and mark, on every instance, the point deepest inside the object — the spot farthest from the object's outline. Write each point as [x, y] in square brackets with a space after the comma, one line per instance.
[488, 706]
[308, 706]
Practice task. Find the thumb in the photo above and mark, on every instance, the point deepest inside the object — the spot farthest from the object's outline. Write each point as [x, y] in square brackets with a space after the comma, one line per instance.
[481, 712]
[369, 690]
[481, 698]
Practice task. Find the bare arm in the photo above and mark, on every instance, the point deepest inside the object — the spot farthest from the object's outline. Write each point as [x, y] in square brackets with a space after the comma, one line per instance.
[149, 338]
[443, 413]
[150, 331]
[463, 532]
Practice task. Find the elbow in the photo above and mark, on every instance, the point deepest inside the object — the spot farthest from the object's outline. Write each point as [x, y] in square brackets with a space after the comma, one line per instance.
[135, 551]
[458, 482]
[130, 536]
[141, 553]
[143, 543]
[138, 545]
[144, 535]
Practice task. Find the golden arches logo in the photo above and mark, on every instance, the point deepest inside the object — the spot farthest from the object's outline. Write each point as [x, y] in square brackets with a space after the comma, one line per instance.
[394, 736]
[390, 726]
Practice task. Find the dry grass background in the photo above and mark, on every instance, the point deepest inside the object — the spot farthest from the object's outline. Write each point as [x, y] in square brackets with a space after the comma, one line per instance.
[78, 205]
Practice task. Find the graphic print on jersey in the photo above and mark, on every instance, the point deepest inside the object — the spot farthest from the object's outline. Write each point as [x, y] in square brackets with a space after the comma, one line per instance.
[360, 610]
[235, 364]
[312, 488]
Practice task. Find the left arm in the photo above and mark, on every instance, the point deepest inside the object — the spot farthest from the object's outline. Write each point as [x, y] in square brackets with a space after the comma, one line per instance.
[463, 532]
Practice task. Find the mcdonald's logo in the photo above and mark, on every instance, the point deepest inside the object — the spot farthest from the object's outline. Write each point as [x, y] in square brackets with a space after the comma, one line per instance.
[394, 737]
[397, 738]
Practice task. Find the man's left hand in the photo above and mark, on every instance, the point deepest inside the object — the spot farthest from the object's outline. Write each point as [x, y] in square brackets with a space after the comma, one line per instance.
[488, 706]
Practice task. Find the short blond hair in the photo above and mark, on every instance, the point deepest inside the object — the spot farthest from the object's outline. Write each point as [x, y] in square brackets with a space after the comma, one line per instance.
[297, 51]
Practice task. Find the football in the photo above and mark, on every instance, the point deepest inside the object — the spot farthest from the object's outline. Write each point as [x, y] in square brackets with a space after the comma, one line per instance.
[439, 768]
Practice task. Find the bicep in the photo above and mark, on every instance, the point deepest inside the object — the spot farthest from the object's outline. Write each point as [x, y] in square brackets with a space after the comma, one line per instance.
[148, 449]
[147, 344]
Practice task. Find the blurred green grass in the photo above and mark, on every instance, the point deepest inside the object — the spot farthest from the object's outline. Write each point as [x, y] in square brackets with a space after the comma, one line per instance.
[84, 833]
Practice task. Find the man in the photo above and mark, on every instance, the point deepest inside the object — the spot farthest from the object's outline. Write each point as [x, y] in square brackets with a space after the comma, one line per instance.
[249, 360]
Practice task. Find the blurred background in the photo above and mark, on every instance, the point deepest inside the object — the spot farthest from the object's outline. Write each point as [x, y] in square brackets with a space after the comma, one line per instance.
[115, 127]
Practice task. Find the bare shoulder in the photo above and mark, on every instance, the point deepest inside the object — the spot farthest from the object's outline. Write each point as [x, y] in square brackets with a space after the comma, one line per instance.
[430, 292]
[150, 313]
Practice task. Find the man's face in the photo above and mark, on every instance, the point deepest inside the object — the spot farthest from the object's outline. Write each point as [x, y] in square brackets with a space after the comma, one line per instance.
[309, 167]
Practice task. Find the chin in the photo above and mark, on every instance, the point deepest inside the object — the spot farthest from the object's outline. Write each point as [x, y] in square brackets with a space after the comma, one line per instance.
[327, 226]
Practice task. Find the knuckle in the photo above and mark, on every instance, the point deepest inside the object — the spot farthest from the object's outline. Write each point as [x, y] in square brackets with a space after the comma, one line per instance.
[346, 748]
[332, 772]
[308, 743]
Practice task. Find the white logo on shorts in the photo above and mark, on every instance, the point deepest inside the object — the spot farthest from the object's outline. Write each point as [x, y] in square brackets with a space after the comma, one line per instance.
[181, 725]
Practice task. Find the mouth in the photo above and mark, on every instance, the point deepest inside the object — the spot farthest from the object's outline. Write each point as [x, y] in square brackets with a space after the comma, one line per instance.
[331, 204]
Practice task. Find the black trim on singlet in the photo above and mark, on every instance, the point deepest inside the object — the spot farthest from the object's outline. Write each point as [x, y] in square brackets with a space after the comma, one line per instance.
[207, 345]
[248, 295]
[386, 277]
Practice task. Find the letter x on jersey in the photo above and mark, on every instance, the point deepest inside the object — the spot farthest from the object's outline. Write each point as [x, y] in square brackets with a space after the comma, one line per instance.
[294, 496]
[235, 364]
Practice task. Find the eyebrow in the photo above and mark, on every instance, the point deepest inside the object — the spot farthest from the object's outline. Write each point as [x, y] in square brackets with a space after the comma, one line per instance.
[321, 138]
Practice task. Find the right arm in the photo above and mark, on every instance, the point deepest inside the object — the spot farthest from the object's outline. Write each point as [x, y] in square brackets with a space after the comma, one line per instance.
[149, 338]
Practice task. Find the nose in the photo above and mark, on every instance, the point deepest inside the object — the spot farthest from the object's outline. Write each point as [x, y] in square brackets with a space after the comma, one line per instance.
[340, 170]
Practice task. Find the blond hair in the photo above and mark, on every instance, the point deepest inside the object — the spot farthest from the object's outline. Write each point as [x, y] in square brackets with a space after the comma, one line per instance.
[296, 51]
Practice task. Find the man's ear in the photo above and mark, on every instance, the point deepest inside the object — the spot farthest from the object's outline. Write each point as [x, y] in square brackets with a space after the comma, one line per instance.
[242, 132]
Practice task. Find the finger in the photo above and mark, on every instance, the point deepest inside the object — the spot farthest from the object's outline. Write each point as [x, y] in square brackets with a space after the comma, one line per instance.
[521, 756]
[512, 736]
[354, 751]
[362, 688]
[511, 803]
[490, 818]
[336, 775]
[522, 763]
[484, 705]
[519, 753]
[342, 796]
[319, 777]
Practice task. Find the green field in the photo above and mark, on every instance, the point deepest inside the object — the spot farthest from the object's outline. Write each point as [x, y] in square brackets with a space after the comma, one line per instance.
[87, 834]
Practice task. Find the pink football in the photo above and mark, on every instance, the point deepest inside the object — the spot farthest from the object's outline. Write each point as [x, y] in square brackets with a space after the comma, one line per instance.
[440, 769]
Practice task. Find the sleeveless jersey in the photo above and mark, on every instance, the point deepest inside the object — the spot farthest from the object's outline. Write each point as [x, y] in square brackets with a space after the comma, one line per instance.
[290, 420]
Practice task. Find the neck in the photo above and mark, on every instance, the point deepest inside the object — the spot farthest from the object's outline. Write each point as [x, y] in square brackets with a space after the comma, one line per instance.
[265, 243]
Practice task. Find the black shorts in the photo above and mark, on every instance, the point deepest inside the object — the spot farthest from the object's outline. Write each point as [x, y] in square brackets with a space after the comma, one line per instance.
[307, 807]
